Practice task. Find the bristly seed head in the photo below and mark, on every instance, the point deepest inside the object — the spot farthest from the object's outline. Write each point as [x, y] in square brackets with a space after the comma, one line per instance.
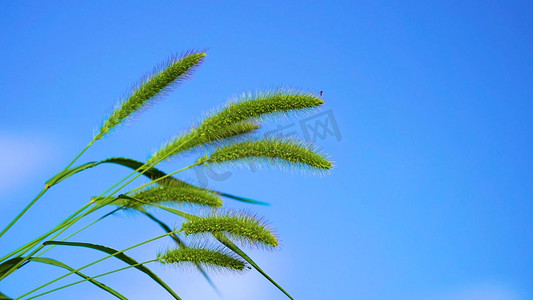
[212, 258]
[272, 150]
[254, 107]
[244, 228]
[176, 194]
[174, 71]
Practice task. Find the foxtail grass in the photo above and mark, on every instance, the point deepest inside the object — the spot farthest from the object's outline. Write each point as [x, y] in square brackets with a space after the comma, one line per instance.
[226, 137]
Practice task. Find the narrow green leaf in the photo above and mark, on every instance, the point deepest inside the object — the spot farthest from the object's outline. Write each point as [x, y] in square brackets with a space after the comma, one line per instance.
[242, 199]
[228, 243]
[152, 173]
[169, 209]
[7, 266]
[166, 228]
[4, 297]
[122, 257]
[130, 163]
[56, 263]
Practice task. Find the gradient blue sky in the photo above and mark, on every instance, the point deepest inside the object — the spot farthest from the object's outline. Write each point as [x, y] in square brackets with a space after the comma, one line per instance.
[431, 197]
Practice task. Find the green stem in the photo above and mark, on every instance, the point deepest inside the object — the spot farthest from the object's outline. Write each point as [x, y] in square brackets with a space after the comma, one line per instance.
[80, 154]
[104, 204]
[90, 278]
[77, 231]
[64, 225]
[43, 191]
[163, 177]
[33, 243]
[23, 211]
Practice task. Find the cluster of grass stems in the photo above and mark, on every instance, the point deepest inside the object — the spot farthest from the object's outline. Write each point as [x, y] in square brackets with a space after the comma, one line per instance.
[224, 138]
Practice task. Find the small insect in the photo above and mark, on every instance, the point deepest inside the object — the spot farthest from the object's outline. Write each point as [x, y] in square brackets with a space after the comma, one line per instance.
[321, 93]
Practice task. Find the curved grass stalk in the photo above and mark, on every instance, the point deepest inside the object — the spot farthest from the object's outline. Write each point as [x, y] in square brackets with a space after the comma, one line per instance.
[56, 263]
[87, 279]
[24, 210]
[95, 262]
[24, 249]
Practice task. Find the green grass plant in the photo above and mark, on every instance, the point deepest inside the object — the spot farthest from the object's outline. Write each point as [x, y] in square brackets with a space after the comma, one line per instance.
[228, 136]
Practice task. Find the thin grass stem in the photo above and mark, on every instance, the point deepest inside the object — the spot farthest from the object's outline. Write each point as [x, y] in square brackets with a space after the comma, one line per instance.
[78, 231]
[23, 211]
[24, 249]
[43, 191]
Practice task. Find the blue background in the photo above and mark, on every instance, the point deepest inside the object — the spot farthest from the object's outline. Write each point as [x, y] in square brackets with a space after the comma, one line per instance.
[431, 196]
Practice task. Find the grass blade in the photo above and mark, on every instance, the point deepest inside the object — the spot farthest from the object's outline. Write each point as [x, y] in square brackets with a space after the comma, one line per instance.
[242, 199]
[152, 173]
[169, 209]
[122, 257]
[8, 265]
[4, 297]
[56, 263]
[228, 243]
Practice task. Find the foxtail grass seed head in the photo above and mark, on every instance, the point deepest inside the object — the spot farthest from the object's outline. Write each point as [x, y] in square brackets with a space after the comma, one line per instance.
[244, 228]
[210, 258]
[254, 107]
[173, 194]
[176, 70]
[272, 150]
[195, 138]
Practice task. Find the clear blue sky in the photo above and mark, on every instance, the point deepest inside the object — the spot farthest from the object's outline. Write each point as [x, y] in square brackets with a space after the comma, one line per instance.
[431, 196]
